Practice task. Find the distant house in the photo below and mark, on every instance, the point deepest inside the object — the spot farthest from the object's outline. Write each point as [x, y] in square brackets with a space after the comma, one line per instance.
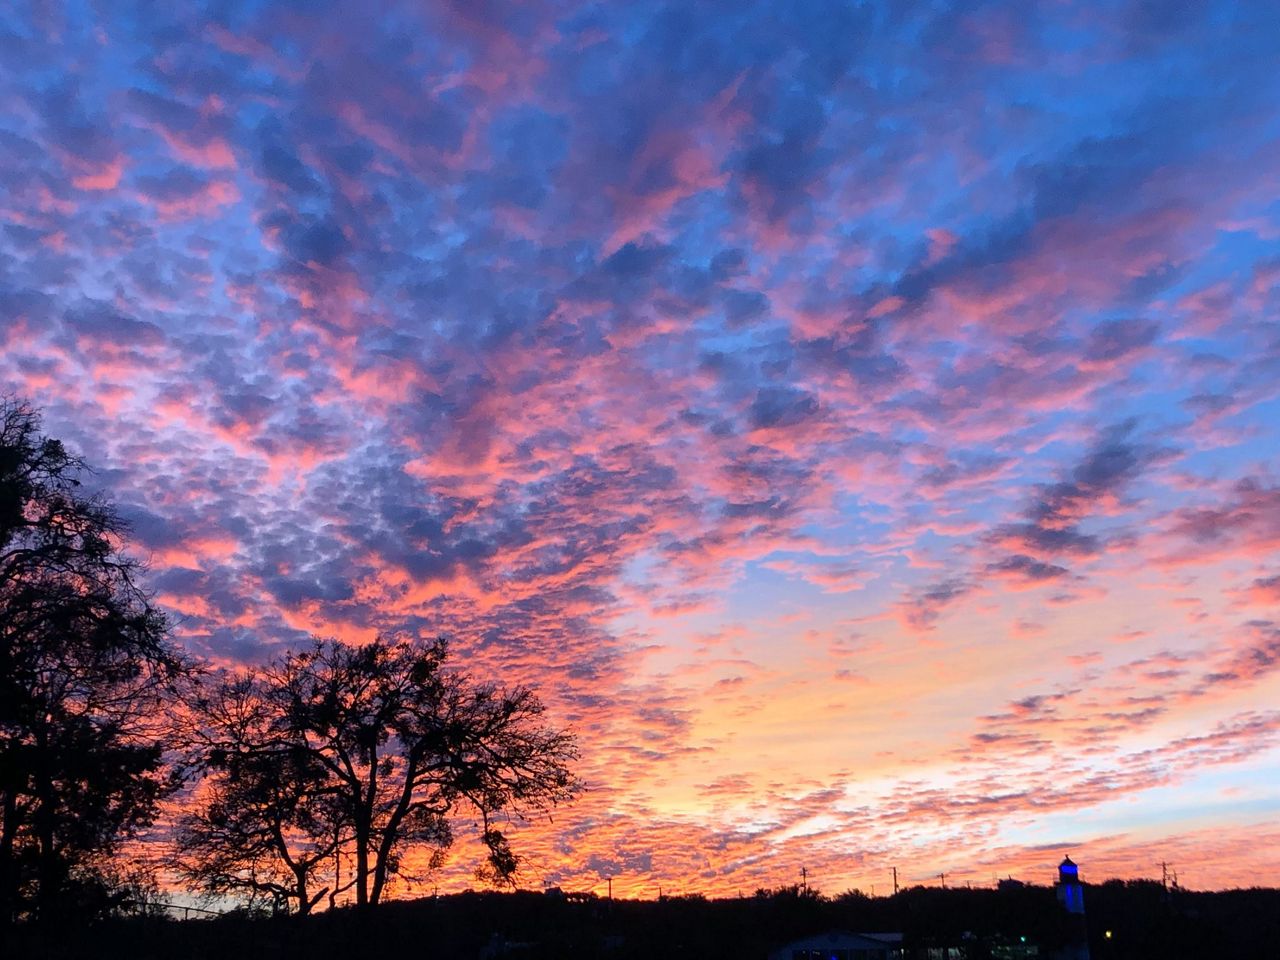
[842, 945]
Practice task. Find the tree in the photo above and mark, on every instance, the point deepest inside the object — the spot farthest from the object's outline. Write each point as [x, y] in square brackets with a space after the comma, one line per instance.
[84, 667]
[341, 755]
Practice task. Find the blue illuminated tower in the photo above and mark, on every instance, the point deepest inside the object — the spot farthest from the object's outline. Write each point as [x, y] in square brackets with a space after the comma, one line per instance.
[1070, 893]
[1071, 896]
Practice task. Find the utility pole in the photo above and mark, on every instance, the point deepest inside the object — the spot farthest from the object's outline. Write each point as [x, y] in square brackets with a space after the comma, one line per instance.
[895, 881]
[943, 878]
[804, 879]
[610, 879]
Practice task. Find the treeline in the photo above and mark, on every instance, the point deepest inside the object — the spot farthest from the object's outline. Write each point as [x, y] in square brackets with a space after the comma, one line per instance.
[1146, 923]
[309, 779]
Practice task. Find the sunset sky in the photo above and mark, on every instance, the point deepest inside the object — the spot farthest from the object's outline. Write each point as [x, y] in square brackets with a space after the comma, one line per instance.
[859, 422]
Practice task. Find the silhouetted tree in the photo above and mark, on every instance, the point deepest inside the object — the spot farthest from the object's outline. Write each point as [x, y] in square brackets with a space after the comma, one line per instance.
[266, 822]
[84, 666]
[342, 755]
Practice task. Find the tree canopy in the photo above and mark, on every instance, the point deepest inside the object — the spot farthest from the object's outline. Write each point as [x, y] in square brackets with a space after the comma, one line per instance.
[85, 663]
[329, 765]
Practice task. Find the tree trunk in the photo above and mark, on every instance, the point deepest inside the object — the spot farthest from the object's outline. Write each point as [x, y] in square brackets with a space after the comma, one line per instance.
[364, 836]
[8, 874]
[304, 902]
[362, 864]
[379, 877]
[43, 821]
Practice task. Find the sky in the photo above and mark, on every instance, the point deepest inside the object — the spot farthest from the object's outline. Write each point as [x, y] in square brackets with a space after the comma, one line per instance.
[858, 422]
